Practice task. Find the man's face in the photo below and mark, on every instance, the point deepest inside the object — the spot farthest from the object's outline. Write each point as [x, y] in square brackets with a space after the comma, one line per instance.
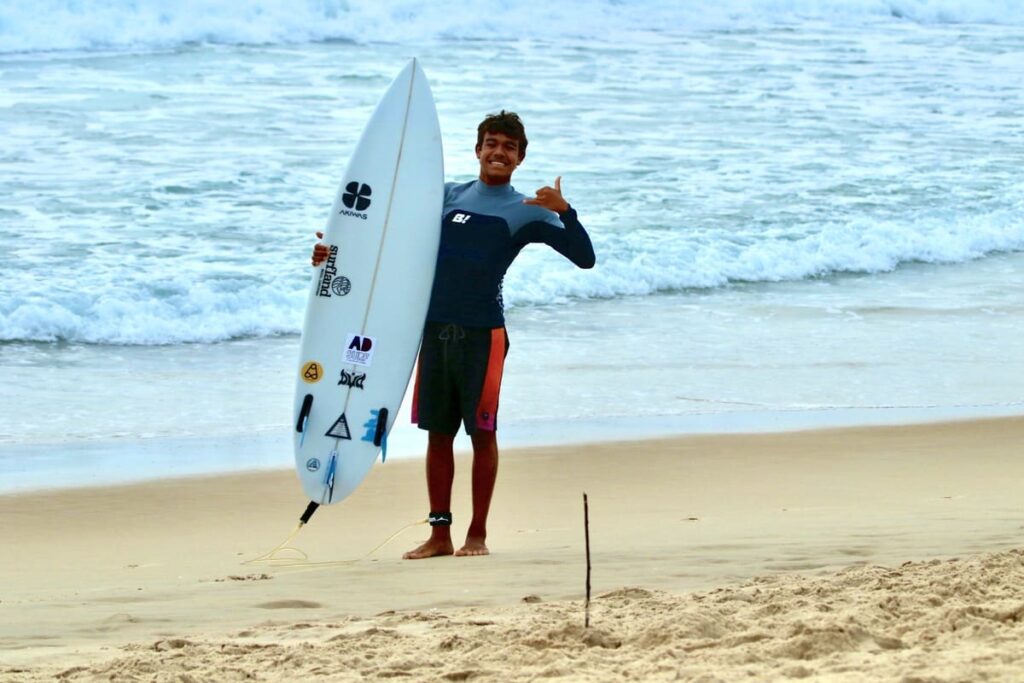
[499, 156]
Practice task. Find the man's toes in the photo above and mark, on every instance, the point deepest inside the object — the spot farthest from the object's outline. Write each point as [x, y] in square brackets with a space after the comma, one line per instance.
[428, 550]
[472, 551]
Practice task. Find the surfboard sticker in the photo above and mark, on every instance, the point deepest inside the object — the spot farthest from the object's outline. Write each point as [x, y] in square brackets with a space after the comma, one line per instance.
[340, 430]
[341, 285]
[312, 372]
[359, 349]
[357, 196]
[328, 272]
[352, 379]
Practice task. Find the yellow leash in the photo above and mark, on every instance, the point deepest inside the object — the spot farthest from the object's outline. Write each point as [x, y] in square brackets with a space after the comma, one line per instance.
[278, 557]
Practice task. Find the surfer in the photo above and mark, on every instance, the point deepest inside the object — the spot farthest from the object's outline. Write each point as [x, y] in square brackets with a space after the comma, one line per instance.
[485, 224]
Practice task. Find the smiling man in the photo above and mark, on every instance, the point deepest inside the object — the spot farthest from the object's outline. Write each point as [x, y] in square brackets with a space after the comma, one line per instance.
[485, 223]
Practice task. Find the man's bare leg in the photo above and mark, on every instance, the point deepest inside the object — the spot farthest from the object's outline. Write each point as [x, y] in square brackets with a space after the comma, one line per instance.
[485, 473]
[440, 473]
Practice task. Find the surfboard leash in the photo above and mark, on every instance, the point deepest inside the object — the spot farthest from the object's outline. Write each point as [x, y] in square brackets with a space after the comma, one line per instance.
[277, 557]
[272, 557]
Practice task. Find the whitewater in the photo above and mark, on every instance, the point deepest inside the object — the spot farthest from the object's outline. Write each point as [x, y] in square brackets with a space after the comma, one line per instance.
[797, 206]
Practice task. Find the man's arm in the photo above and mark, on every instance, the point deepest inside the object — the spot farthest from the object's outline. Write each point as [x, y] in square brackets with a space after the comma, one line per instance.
[572, 241]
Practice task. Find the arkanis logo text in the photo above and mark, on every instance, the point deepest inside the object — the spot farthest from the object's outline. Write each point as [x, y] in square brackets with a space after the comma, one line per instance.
[352, 379]
[330, 281]
[356, 199]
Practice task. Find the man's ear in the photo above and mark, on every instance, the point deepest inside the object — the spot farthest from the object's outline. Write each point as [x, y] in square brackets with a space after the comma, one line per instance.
[478, 148]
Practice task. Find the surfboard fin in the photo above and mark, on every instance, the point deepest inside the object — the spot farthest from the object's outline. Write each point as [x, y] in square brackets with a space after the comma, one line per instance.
[382, 427]
[307, 404]
[380, 435]
[329, 476]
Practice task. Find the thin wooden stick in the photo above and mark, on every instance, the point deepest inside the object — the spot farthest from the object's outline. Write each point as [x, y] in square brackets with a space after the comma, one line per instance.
[586, 534]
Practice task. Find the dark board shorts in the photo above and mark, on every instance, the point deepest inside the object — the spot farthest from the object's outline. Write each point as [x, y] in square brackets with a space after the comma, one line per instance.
[458, 378]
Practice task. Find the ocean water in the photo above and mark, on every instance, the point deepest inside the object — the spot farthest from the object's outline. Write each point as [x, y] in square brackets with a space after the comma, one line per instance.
[803, 211]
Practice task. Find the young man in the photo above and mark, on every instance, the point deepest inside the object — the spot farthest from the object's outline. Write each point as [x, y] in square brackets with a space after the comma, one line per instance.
[485, 224]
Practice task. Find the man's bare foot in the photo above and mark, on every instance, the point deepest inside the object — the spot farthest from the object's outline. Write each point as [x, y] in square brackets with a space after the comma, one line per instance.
[432, 548]
[473, 547]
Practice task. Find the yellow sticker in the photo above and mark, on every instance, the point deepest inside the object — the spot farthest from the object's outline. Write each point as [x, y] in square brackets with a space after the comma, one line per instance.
[312, 372]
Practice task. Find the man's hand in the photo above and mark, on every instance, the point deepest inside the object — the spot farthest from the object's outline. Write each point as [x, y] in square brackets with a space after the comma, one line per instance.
[320, 250]
[550, 198]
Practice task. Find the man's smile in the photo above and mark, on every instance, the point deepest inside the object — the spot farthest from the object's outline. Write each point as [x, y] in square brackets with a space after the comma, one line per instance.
[499, 157]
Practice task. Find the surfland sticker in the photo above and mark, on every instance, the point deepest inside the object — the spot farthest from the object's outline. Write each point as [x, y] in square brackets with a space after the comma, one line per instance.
[330, 281]
[359, 349]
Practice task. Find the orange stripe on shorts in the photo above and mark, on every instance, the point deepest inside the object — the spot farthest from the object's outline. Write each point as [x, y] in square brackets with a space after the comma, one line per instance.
[487, 409]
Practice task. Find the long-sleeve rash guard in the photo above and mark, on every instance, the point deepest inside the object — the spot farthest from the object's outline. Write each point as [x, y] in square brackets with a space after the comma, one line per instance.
[483, 229]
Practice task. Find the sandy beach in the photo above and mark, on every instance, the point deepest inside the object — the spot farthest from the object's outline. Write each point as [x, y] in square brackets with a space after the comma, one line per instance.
[843, 555]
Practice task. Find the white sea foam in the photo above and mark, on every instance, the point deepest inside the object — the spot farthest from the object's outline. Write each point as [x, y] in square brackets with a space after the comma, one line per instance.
[163, 198]
[644, 262]
[190, 309]
[67, 24]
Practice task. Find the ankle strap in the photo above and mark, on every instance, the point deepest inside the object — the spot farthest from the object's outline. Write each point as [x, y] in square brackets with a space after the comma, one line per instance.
[440, 518]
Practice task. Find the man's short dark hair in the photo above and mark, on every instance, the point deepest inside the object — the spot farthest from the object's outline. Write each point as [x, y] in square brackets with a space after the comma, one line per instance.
[506, 122]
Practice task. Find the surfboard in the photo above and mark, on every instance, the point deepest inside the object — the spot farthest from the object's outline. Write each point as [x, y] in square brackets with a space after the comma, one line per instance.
[368, 301]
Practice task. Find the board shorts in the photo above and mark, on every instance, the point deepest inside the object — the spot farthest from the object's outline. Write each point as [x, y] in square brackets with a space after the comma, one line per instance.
[458, 378]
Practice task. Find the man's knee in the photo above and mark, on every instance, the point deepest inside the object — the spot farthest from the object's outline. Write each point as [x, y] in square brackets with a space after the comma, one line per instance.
[484, 439]
[440, 440]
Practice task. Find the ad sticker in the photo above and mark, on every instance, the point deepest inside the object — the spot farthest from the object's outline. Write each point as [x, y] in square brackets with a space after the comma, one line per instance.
[359, 349]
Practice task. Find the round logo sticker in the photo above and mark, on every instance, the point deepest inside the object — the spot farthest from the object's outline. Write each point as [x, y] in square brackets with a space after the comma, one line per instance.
[312, 372]
[312, 464]
[341, 285]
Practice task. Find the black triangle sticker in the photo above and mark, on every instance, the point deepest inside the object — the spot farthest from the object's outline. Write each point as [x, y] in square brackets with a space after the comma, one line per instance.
[339, 430]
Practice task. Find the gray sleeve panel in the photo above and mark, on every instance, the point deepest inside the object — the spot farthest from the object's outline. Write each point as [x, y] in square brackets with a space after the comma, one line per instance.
[527, 223]
[520, 214]
[509, 208]
[457, 195]
[448, 190]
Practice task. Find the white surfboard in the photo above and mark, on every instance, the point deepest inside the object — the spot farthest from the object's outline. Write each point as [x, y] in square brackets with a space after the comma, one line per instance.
[368, 301]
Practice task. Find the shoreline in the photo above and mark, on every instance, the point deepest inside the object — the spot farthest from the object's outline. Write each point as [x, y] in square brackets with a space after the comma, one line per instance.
[57, 466]
[136, 576]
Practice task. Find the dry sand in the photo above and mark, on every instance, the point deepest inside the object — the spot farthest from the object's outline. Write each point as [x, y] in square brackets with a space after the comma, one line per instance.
[826, 555]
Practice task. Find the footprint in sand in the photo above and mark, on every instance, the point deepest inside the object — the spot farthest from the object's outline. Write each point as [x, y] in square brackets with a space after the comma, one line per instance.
[114, 622]
[289, 604]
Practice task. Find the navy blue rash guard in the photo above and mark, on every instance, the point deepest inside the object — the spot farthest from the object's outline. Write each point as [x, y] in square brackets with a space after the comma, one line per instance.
[483, 229]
